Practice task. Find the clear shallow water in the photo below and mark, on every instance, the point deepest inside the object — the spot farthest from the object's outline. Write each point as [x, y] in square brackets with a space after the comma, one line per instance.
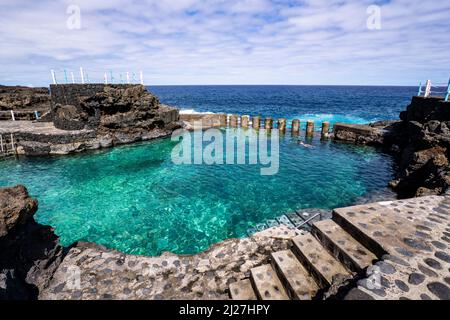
[351, 104]
[134, 199]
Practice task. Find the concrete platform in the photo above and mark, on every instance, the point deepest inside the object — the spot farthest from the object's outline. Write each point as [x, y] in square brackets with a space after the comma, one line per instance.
[33, 127]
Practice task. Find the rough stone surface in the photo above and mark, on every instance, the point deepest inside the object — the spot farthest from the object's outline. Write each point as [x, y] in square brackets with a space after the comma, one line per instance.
[20, 98]
[109, 109]
[33, 264]
[355, 256]
[294, 276]
[411, 267]
[242, 290]
[192, 121]
[318, 260]
[267, 284]
[29, 252]
[85, 117]
[16, 208]
[420, 142]
[359, 134]
[108, 274]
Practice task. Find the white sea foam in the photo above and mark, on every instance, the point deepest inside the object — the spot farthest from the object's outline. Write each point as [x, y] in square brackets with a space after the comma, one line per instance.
[191, 111]
[332, 118]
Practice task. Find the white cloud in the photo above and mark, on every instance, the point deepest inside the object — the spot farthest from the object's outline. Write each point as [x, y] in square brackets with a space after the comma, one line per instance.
[228, 41]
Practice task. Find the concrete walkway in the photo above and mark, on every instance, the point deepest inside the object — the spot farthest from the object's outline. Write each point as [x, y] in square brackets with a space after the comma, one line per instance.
[33, 127]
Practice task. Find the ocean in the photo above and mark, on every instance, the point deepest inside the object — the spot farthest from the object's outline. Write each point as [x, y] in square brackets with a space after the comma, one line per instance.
[352, 104]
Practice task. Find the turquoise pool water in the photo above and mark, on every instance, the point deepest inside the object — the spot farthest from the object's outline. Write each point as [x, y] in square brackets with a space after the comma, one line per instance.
[135, 199]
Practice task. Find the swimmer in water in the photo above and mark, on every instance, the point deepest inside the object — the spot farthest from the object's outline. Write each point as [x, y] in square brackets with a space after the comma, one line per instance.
[305, 144]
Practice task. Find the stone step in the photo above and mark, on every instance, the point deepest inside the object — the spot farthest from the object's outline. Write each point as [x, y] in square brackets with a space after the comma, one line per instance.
[299, 284]
[343, 246]
[285, 220]
[377, 226]
[267, 284]
[295, 219]
[242, 290]
[317, 260]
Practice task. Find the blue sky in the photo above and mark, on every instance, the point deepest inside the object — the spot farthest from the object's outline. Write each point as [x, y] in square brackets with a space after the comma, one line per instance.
[227, 41]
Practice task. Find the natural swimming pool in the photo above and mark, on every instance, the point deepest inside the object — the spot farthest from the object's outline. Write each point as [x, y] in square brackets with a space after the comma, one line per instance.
[135, 199]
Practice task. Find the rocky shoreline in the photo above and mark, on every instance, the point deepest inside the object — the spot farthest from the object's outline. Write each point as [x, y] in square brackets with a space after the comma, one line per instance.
[91, 116]
[20, 98]
[420, 143]
[35, 266]
[30, 252]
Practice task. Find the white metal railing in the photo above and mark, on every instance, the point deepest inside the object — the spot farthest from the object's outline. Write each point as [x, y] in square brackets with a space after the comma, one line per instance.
[19, 115]
[7, 147]
[96, 76]
[435, 89]
[307, 221]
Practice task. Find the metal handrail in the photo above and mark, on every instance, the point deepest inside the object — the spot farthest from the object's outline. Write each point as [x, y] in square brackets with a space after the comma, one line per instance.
[20, 113]
[427, 91]
[308, 220]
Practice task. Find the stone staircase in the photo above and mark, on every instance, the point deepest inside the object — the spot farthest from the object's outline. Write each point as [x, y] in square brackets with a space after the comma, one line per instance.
[308, 267]
[357, 239]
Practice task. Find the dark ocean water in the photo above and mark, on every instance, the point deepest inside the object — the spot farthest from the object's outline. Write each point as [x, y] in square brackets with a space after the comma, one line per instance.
[354, 104]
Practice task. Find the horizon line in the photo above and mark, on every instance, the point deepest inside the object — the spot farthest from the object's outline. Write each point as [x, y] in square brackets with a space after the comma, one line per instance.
[224, 85]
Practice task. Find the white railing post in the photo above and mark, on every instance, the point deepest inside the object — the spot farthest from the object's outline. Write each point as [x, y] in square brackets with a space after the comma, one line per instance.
[12, 115]
[82, 75]
[420, 89]
[427, 89]
[128, 77]
[448, 91]
[73, 77]
[53, 76]
[1, 142]
[12, 142]
[105, 78]
[141, 75]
